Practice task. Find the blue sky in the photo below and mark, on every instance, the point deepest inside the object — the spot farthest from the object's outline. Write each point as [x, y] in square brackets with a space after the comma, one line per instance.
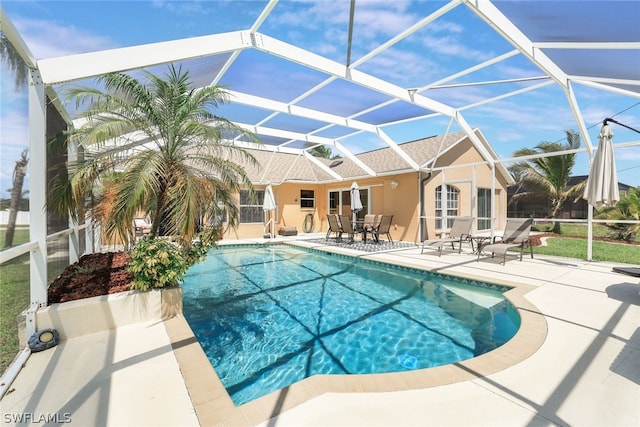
[450, 44]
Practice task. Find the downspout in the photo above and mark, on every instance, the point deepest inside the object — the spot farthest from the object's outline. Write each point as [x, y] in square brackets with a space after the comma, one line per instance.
[423, 220]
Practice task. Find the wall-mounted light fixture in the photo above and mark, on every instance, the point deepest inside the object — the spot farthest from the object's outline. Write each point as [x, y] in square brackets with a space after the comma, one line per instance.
[394, 185]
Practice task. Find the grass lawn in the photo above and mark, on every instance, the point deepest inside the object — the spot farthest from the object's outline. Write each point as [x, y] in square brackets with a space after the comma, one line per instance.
[623, 253]
[573, 244]
[14, 298]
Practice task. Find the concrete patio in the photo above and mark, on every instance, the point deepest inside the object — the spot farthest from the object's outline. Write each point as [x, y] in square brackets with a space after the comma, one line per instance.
[586, 372]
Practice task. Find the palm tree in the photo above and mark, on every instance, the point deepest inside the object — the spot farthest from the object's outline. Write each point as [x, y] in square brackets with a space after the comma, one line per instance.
[548, 175]
[154, 146]
[628, 208]
[16, 65]
[19, 173]
[14, 62]
[319, 150]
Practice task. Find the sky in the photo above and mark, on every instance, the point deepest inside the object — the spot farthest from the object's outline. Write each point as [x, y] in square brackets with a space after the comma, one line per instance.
[450, 44]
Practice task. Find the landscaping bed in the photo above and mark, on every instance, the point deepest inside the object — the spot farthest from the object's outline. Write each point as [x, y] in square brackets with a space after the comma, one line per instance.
[93, 275]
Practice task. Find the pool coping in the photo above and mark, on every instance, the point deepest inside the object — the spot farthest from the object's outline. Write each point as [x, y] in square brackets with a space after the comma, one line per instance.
[213, 405]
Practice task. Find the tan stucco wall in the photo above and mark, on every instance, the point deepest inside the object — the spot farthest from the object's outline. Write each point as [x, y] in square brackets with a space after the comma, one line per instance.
[401, 202]
[465, 179]
[288, 212]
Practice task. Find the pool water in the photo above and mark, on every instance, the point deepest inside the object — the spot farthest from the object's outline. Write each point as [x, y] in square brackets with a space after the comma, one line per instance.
[269, 316]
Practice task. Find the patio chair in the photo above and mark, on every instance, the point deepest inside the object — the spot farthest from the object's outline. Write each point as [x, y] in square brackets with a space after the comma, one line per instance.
[370, 222]
[460, 232]
[516, 235]
[142, 227]
[334, 227]
[347, 227]
[384, 227]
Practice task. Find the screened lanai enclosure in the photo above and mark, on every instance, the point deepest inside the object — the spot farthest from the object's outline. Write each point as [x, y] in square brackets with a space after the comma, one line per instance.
[350, 76]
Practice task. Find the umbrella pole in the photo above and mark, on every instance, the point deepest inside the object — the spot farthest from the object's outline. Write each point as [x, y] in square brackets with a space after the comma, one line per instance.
[590, 233]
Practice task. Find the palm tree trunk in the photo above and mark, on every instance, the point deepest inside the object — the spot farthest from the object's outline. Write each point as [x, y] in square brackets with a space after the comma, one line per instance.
[16, 195]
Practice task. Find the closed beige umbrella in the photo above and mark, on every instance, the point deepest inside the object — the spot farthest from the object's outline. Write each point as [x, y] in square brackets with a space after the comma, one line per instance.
[602, 183]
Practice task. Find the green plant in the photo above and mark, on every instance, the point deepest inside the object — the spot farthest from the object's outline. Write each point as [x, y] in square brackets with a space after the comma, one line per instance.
[628, 208]
[548, 175]
[157, 263]
[178, 167]
[198, 251]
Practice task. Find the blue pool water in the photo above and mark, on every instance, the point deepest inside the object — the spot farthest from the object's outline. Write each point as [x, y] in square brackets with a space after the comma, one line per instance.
[268, 316]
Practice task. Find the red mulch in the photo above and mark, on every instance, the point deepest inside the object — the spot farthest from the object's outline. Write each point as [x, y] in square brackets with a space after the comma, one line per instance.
[93, 275]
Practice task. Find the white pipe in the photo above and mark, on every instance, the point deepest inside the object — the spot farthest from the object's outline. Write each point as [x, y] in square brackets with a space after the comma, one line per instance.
[13, 371]
[269, 224]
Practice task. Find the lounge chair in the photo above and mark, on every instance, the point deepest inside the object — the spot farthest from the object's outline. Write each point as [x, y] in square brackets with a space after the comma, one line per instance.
[384, 227]
[516, 235]
[460, 232]
[334, 227]
[347, 227]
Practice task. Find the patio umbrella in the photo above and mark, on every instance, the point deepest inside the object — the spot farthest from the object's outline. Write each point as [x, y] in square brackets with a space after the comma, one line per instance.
[268, 205]
[356, 203]
[602, 183]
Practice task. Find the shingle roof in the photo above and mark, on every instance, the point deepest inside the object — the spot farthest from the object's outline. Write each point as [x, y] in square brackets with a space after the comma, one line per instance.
[278, 167]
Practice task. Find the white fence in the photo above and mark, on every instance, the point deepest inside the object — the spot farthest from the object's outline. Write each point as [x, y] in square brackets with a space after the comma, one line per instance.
[23, 218]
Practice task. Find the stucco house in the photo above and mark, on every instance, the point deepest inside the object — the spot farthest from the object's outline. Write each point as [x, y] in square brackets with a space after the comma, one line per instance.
[306, 189]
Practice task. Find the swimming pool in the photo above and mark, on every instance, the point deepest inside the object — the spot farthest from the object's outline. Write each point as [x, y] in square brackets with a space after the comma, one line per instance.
[269, 316]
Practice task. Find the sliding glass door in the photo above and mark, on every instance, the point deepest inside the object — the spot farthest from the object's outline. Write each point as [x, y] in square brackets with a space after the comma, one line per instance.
[340, 202]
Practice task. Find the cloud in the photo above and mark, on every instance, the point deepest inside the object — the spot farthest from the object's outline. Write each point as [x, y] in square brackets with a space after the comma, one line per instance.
[449, 45]
[48, 39]
[629, 154]
[406, 68]
[374, 21]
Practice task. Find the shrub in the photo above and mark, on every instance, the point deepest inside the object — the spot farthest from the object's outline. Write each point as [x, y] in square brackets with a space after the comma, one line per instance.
[160, 263]
[622, 234]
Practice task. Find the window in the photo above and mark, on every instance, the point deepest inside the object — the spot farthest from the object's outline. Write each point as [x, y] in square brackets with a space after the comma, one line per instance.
[251, 210]
[484, 208]
[334, 202]
[307, 199]
[451, 205]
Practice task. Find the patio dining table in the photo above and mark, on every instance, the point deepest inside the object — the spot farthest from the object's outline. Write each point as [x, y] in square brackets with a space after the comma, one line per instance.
[358, 227]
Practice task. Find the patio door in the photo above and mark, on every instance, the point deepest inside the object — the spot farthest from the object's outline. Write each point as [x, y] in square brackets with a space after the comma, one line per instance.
[340, 202]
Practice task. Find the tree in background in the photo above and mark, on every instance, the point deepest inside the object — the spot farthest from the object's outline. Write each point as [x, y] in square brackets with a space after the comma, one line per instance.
[19, 172]
[548, 175]
[628, 208]
[14, 62]
[319, 151]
